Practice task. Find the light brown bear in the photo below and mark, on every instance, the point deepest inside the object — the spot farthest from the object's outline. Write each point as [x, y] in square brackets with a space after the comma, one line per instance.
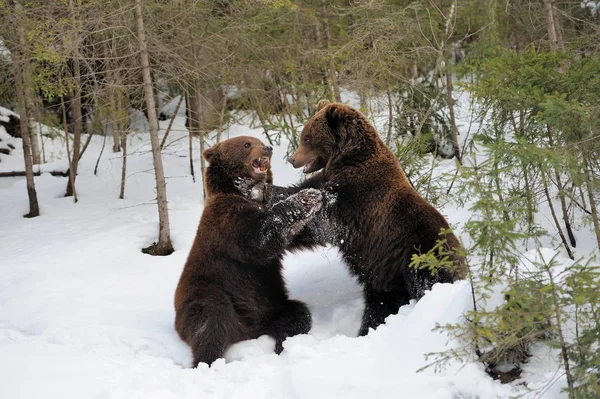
[374, 215]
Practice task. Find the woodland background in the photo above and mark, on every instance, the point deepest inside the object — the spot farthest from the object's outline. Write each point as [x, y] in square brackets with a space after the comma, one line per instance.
[528, 169]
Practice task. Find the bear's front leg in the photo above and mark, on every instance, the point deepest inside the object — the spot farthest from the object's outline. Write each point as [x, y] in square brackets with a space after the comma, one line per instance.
[292, 318]
[288, 217]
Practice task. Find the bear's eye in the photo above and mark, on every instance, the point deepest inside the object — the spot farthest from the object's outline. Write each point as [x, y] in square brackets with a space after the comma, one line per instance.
[247, 145]
[307, 140]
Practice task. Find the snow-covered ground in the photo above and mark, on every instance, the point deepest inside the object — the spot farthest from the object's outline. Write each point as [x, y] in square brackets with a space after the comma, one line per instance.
[83, 313]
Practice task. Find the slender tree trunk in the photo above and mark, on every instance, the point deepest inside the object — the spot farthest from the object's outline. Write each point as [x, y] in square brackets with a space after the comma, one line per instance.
[22, 89]
[561, 195]
[164, 139]
[563, 343]
[222, 115]
[32, 126]
[39, 130]
[114, 114]
[69, 155]
[556, 222]
[444, 50]
[196, 109]
[554, 35]
[100, 155]
[332, 68]
[453, 127]
[590, 190]
[28, 110]
[163, 246]
[191, 145]
[77, 119]
[34, 209]
[202, 145]
[388, 139]
[124, 166]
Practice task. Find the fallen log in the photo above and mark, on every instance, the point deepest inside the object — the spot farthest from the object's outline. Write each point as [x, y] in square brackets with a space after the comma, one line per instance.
[18, 173]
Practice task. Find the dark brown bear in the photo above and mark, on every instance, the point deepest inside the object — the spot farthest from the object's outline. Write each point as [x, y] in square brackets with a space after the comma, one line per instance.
[375, 217]
[231, 288]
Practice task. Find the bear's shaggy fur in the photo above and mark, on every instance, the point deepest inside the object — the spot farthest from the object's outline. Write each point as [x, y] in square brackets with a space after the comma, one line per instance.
[231, 288]
[376, 218]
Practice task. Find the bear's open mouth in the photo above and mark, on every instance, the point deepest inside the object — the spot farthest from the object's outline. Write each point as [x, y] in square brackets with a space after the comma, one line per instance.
[260, 165]
[308, 167]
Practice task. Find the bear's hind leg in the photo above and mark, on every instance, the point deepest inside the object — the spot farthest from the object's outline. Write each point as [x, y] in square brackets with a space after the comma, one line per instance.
[209, 325]
[378, 306]
[291, 319]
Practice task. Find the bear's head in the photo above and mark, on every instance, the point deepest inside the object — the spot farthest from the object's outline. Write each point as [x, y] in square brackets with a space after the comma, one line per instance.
[240, 157]
[336, 133]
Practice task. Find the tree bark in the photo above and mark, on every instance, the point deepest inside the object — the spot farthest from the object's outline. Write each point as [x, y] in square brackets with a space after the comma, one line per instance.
[590, 190]
[77, 121]
[124, 166]
[163, 246]
[561, 339]
[561, 195]
[28, 110]
[554, 34]
[21, 89]
[201, 134]
[164, 139]
[34, 209]
[69, 157]
[454, 129]
[388, 139]
[556, 222]
[32, 126]
[332, 68]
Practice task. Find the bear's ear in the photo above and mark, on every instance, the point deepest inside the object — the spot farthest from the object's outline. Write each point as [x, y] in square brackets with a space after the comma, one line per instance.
[210, 153]
[322, 104]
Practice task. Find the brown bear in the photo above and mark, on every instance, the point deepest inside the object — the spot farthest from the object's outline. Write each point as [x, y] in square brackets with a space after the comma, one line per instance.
[373, 214]
[232, 288]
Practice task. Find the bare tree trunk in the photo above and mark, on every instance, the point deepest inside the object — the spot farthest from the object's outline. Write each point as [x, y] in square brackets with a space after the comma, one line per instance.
[124, 166]
[114, 115]
[100, 155]
[201, 138]
[561, 339]
[28, 110]
[388, 139]
[454, 129]
[32, 126]
[561, 195]
[39, 130]
[332, 68]
[191, 144]
[113, 75]
[554, 35]
[556, 222]
[164, 139]
[222, 116]
[34, 209]
[66, 129]
[163, 246]
[77, 120]
[591, 198]
[21, 88]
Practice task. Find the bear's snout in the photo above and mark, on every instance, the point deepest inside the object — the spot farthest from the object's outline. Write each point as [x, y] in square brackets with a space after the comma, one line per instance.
[267, 151]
